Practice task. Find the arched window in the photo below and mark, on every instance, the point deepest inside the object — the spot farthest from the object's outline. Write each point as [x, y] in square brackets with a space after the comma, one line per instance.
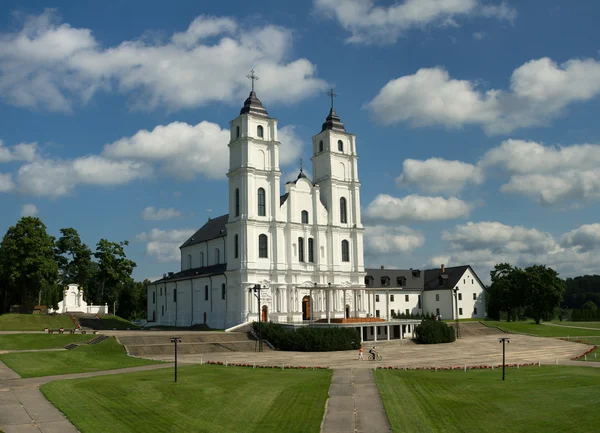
[237, 132]
[321, 146]
[223, 291]
[311, 252]
[301, 249]
[236, 246]
[201, 259]
[304, 217]
[189, 261]
[345, 251]
[262, 247]
[340, 145]
[217, 256]
[343, 214]
[259, 131]
[237, 202]
[262, 208]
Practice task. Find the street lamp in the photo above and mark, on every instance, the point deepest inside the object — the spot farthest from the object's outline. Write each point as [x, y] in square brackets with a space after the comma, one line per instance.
[256, 289]
[455, 290]
[503, 340]
[175, 340]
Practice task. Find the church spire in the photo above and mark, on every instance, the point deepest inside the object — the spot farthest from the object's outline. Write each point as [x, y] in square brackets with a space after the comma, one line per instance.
[333, 121]
[252, 104]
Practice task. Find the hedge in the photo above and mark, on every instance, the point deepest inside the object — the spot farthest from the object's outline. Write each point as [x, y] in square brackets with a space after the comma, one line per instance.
[309, 339]
[434, 332]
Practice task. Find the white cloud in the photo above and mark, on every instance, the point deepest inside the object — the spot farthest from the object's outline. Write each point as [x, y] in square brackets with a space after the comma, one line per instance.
[151, 214]
[369, 23]
[380, 239]
[51, 66]
[549, 174]
[585, 238]
[55, 178]
[479, 35]
[291, 147]
[164, 244]
[29, 210]
[19, 152]
[438, 175]
[540, 90]
[416, 208]
[6, 182]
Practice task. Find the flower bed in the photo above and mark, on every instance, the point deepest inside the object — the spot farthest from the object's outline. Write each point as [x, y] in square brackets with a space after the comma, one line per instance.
[461, 367]
[254, 365]
[582, 356]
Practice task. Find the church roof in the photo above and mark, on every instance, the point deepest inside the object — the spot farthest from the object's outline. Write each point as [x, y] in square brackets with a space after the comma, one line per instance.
[333, 122]
[213, 229]
[252, 105]
[205, 271]
[401, 278]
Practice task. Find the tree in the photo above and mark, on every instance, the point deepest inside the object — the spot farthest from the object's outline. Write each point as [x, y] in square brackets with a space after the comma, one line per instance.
[543, 291]
[27, 266]
[505, 292]
[74, 258]
[132, 300]
[114, 268]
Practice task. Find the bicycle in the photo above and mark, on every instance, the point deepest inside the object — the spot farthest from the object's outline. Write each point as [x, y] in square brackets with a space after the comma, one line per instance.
[375, 357]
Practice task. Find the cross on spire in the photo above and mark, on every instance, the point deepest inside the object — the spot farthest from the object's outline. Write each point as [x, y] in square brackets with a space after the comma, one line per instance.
[331, 93]
[252, 76]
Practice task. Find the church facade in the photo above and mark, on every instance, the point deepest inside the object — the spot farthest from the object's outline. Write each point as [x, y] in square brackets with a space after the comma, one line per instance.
[301, 252]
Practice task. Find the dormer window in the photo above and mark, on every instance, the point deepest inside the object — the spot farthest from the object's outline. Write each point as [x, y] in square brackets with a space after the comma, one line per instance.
[321, 146]
[368, 281]
[385, 281]
[259, 131]
[304, 217]
[401, 281]
[237, 132]
[340, 145]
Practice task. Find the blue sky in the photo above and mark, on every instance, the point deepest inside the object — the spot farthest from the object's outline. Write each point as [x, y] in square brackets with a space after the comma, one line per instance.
[476, 120]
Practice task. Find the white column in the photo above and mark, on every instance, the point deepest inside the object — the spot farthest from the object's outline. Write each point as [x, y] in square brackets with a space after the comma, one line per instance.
[361, 334]
[401, 333]
[344, 303]
[388, 332]
[328, 305]
[375, 332]
[369, 298]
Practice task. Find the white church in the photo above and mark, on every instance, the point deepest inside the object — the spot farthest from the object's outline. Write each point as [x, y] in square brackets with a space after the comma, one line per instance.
[302, 251]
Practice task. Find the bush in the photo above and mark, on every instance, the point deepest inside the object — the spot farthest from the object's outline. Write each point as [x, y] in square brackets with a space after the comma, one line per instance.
[309, 339]
[434, 332]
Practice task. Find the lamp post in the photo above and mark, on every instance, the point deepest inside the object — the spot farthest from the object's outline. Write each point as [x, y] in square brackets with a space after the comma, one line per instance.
[455, 290]
[503, 340]
[256, 289]
[175, 340]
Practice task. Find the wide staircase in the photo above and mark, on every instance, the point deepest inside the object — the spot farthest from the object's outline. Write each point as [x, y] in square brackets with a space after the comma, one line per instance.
[191, 344]
[476, 329]
[89, 321]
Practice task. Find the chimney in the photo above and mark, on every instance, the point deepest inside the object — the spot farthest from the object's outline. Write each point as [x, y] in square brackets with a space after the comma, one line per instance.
[443, 268]
[382, 267]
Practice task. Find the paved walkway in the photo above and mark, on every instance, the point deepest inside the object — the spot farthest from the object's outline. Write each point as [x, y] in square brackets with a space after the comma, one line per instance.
[354, 404]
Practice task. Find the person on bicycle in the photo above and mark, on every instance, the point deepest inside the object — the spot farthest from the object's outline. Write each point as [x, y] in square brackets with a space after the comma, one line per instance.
[373, 353]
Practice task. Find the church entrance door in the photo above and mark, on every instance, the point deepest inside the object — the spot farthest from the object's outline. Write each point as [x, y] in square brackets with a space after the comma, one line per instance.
[306, 308]
[265, 314]
[347, 311]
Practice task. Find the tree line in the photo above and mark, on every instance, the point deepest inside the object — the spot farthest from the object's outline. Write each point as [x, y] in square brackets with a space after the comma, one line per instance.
[35, 267]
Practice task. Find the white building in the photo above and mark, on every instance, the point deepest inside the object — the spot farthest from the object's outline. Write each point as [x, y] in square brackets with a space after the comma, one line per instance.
[303, 248]
[73, 302]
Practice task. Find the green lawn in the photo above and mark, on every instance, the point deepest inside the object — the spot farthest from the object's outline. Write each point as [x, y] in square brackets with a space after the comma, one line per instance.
[547, 399]
[40, 341]
[116, 322]
[211, 399]
[107, 355]
[530, 327]
[31, 322]
[595, 325]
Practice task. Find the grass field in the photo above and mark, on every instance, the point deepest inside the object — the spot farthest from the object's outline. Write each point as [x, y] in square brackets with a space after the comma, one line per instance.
[107, 355]
[595, 325]
[31, 322]
[530, 327]
[211, 399]
[40, 341]
[116, 322]
[547, 399]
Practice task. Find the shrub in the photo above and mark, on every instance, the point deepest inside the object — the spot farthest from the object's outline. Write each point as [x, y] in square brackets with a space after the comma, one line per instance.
[434, 332]
[309, 339]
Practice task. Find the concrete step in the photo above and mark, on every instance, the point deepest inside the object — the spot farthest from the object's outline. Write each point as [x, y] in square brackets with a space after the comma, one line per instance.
[200, 337]
[475, 329]
[193, 348]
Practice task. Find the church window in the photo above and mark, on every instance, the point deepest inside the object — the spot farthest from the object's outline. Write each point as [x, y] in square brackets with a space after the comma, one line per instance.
[311, 251]
[321, 146]
[236, 246]
[460, 311]
[304, 217]
[262, 247]
[223, 291]
[475, 310]
[174, 295]
[206, 293]
[161, 291]
[189, 261]
[376, 298]
[391, 298]
[262, 208]
[406, 298]
[237, 202]
[419, 301]
[377, 314]
[154, 297]
[237, 132]
[301, 249]
[259, 131]
[201, 259]
[163, 310]
[437, 298]
[340, 145]
[407, 312]
[474, 296]
[460, 296]
[343, 214]
[217, 256]
[345, 251]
